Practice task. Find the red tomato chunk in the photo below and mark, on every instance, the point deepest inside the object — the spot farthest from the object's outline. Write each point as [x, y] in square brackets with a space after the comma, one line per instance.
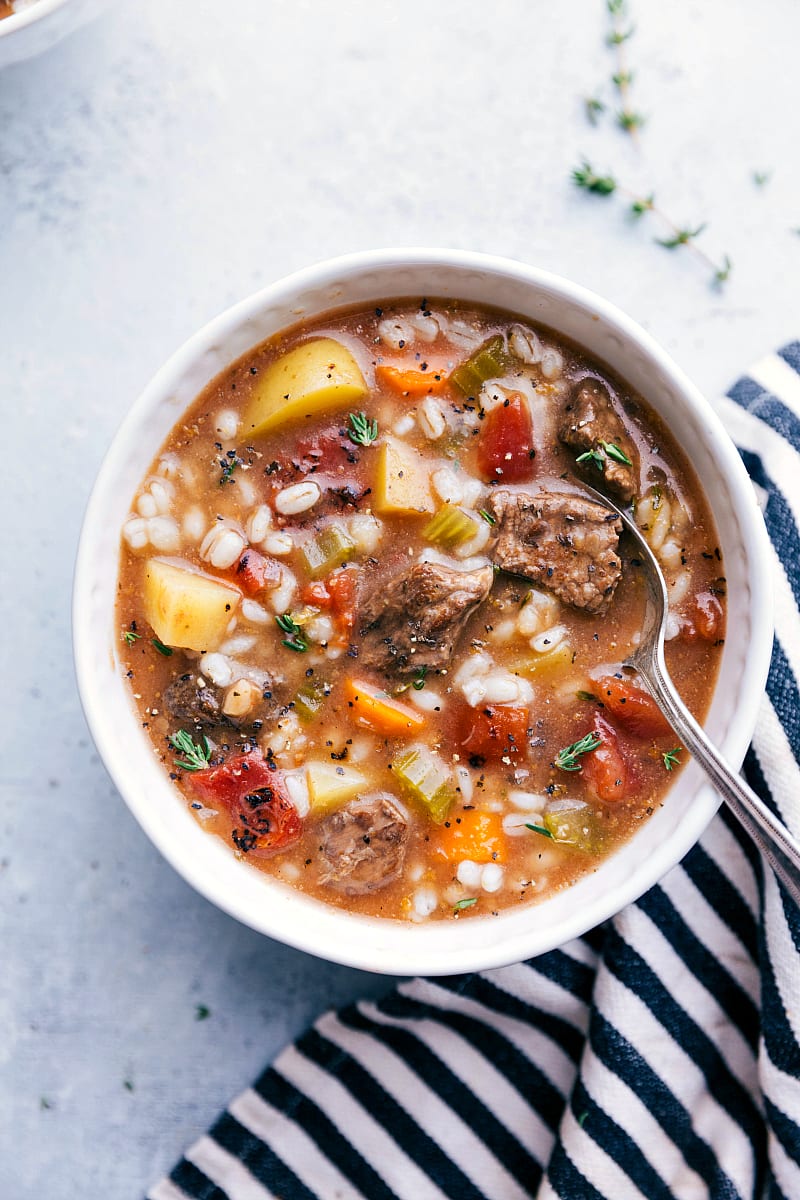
[254, 792]
[632, 708]
[494, 732]
[505, 446]
[706, 619]
[255, 573]
[604, 769]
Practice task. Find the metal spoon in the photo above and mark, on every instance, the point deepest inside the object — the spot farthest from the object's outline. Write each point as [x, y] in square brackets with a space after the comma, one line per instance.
[772, 837]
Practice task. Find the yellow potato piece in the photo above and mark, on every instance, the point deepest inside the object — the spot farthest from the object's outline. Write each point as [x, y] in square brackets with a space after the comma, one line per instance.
[331, 784]
[185, 608]
[403, 480]
[317, 376]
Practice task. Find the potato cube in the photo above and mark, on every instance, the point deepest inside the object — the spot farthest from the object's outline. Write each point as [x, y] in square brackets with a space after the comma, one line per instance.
[403, 480]
[317, 376]
[331, 784]
[184, 607]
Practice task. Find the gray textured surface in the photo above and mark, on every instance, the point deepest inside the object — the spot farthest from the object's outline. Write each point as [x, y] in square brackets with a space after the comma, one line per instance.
[155, 167]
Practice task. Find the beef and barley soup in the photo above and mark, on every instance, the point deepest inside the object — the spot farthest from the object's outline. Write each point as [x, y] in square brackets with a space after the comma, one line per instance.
[375, 624]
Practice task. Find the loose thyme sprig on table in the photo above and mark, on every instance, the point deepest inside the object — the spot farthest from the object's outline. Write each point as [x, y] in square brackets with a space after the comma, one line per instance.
[585, 177]
[622, 31]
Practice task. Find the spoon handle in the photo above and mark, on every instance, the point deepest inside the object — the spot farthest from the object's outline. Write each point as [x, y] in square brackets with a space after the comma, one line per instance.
[772, 837]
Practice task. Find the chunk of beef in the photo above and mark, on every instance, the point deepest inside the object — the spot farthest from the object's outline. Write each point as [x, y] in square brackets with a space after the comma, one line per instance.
[193, 703]
[363, 844]
[413, 621]
[591, 423]
[561, 541]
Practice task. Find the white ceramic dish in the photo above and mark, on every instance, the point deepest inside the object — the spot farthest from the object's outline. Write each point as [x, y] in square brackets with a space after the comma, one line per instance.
[442, 947]
[40, 25]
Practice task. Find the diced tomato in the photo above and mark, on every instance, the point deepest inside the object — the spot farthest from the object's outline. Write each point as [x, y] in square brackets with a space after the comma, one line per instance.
[494, 732]
[254, 573]
[632, 708]
[254, 792]
[705, 619]
[505, 445]
[604, 769]
[330, 450]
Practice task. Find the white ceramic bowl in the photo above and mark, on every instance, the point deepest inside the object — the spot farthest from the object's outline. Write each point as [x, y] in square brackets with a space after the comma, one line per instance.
[38, 26]
[437, 947]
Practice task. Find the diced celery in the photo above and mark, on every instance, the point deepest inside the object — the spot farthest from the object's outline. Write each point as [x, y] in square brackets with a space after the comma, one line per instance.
[450, 527]
[488, 361]
[425, 779]
[573, 823]
[309, 699]
[327, 550]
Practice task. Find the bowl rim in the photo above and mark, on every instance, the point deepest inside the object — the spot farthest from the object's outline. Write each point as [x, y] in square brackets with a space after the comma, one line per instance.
[28, 15]
[739, 728]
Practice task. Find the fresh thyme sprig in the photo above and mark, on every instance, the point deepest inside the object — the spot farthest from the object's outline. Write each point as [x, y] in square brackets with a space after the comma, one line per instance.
[567, 759]
[585, 177]
[419, 682]
[671, 758]
[228, 465]
[603, 451]
[130, 636]
[295, 640]
[196, 755]
[362, 430]
[620, 34]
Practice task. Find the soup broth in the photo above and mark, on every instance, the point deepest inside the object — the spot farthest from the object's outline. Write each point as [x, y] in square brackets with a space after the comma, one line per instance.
[375, 625]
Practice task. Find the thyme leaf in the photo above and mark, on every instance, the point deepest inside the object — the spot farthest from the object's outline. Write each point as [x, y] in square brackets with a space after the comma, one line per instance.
[567, 759]
[295, 641]
[161, 648]
[613, 451]
[362, 430]
[540, 829]
[671, 758]
[419, 682]
[487, 516]
[196, 755]
[467, 902]
[130, 636]
[593, 456]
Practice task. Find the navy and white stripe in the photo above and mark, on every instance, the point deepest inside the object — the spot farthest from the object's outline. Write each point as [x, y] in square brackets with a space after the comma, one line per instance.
[657, 1057]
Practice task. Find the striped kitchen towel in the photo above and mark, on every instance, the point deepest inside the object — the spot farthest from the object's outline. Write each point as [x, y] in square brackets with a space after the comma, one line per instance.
[657, 1056]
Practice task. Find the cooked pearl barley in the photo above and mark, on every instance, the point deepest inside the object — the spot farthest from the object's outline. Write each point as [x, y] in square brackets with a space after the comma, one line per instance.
[146, 505]
[194, 523]
[238, 645]
[552, 364]
[427, 700]
[245, 486]
[464, 784]
[672, 627]
[365, 531]
[393, 332]
[492, 877]
[678, 588]
[226, 425]
[254, 613]
[525, 344]
[425, 901]
[404, 425]
[290, 870]
[538, 611]
[278, 544]
[221, 546]
[135, 533]
[468, 873]
[297, 498]
[241, 698]
[297, 787]
[476, 543]
[427, 327]
[164, 533]
[282, 595]
[515, 824]
[258, 524]
[218, 669]
[548, 639]
[670, 555]
[431, 419]
[320, 629]
[169, 465]
[528, 801]
[448, 485]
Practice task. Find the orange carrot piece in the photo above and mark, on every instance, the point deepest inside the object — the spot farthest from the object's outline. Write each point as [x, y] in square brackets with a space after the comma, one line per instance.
[410, 383]
[477, 836]
[374, 709]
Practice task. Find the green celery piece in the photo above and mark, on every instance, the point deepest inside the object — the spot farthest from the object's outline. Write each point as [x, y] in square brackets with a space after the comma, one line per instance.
[309, 700]
[424, 778]
[329, 549]
[450, 527]
[573, 823]
[488, 361]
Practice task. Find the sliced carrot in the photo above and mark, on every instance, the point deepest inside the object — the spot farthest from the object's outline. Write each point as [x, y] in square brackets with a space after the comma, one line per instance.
[410, 383]
[373, 708]
[477, 836]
